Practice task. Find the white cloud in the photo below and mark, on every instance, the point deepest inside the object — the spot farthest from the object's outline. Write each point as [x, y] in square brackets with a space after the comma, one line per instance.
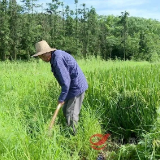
[132, 12]
[125, 3]
[113, 3]
[137, 8]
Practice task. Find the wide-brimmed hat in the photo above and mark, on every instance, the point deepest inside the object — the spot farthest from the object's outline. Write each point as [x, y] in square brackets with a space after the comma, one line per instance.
[42, 47]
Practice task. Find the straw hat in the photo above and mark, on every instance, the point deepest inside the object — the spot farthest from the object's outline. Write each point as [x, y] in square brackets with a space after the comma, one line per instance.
[42, 47]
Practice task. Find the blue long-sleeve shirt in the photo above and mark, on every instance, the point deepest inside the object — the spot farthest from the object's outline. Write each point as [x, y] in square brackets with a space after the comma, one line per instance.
[68, 74]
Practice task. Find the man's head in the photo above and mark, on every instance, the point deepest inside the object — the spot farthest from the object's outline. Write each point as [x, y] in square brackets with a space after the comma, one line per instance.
[45, 57]
[43, 51]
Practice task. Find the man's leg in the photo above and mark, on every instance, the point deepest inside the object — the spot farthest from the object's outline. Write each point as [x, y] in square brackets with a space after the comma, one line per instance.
[71, 110]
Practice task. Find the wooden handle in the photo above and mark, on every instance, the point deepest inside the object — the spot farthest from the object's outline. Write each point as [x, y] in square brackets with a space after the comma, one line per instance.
[54, 116]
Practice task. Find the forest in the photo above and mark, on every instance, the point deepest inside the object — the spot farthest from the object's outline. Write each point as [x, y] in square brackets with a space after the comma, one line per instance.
[80, 32]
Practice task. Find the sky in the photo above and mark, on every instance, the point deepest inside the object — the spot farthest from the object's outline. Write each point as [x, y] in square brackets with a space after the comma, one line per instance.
[136, 8]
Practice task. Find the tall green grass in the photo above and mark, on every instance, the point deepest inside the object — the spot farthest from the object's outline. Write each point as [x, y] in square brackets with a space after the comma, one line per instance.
[122, 99]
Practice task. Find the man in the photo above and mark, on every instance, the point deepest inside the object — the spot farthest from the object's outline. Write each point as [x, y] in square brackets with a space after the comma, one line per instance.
[69, 76]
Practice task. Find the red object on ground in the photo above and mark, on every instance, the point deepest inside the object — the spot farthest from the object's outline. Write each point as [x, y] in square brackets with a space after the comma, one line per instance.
[103, 139]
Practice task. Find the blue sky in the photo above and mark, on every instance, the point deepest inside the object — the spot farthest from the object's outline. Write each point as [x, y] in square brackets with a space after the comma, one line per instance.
[138, 8]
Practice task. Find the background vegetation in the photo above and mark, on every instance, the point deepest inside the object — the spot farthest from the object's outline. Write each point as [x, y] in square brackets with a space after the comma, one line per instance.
[80, 31]
[123, 99]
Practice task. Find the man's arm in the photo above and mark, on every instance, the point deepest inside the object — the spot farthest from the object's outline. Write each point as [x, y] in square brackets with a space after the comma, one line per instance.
[63, 78]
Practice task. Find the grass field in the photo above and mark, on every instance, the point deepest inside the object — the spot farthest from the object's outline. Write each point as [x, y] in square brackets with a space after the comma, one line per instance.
[123, 99]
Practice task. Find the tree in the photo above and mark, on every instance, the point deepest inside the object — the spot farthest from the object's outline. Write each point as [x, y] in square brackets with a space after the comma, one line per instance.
[124, 32]
[4, 30]
[14, 24]
[28, 28]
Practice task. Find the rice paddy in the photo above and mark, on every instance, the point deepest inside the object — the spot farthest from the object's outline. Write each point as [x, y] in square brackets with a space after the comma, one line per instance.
[123, 100]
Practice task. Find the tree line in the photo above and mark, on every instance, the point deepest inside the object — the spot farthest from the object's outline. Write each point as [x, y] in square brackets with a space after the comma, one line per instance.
[81, 32]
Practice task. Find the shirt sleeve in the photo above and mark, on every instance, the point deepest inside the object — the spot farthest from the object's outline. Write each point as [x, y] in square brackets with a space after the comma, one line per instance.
[63, 77]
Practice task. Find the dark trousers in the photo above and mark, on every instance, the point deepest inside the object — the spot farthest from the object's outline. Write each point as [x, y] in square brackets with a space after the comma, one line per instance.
[71, 110]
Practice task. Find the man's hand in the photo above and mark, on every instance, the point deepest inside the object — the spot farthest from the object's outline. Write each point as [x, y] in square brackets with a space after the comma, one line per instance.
[62, 103]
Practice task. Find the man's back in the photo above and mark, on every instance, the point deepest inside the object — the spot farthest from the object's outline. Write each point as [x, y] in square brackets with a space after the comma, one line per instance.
[68, 74]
